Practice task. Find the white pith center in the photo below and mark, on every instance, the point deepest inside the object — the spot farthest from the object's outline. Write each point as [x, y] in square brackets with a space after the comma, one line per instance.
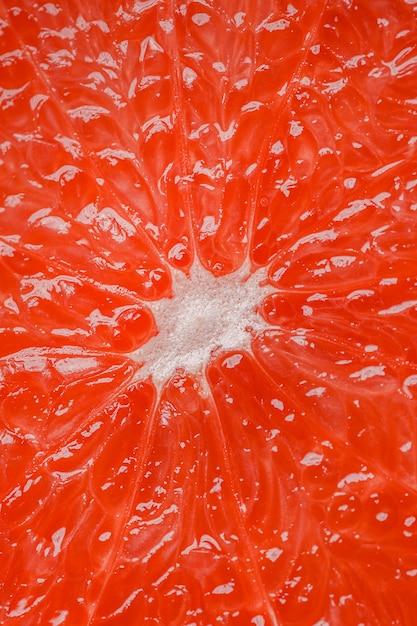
[204, 316]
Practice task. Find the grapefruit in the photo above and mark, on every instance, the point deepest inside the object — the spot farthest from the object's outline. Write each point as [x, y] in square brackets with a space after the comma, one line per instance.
[208, 363]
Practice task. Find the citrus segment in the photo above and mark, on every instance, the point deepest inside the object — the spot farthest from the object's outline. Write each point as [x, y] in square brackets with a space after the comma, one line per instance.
[46, 394]
[71, 311]
[345, 497]
[329, 137]
[207, 313]
[121, 120]
[64, 556]
[342, 385]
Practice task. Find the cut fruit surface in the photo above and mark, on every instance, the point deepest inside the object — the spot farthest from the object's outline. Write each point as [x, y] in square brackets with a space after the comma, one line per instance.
[208, 313]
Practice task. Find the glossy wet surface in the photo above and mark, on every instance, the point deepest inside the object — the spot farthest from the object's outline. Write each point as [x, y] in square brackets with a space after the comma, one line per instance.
[270, 481]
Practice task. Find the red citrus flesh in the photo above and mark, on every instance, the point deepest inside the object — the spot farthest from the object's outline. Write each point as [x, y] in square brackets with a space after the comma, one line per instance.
[142, 138]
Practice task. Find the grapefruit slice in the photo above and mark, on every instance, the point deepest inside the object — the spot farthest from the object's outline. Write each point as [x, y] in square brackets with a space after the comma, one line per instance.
[208, 364]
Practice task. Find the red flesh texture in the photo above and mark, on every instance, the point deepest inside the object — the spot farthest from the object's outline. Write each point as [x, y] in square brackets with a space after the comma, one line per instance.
[206, 499]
